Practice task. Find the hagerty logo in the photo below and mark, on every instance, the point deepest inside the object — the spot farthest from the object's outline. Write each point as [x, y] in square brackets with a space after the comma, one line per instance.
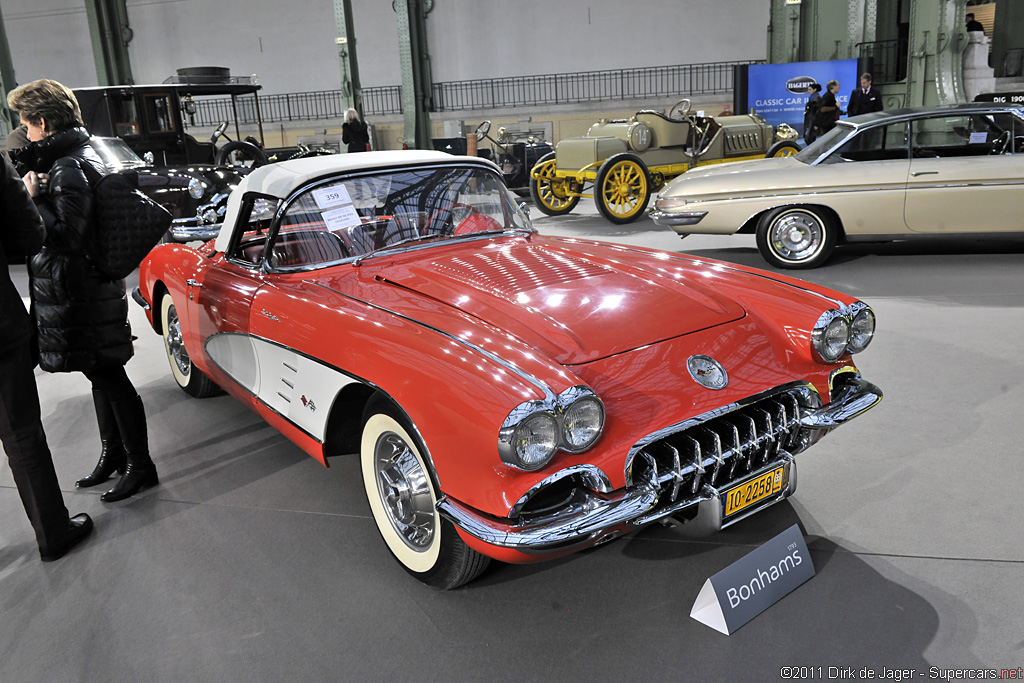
[798, 84]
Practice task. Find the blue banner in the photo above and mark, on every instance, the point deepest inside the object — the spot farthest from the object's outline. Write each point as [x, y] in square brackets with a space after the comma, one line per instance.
[778, 92]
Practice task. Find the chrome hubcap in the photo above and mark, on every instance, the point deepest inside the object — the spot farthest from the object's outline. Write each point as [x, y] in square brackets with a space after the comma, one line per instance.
[796, 236]
[404, 491]
[175, 346]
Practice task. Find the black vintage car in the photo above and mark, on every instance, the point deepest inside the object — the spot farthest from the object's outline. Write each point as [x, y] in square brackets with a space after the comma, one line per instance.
[191, 177]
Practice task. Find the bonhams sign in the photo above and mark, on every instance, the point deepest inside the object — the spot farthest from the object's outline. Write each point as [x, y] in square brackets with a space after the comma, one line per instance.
[752, 584]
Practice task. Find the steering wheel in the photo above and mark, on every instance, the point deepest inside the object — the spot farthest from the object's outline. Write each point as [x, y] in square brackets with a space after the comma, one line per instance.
[680, 109]
[470, 210]
[482, 130]
[219, 132]
[1000, 143]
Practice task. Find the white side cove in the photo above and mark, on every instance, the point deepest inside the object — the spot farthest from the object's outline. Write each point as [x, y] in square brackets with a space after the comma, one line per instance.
[297, 387]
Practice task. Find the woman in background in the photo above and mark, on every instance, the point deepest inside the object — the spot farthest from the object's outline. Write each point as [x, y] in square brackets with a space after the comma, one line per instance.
[81, 316]
[355, 133]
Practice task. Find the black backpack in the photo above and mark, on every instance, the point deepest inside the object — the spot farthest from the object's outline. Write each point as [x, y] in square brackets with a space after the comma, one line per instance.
[126, 224]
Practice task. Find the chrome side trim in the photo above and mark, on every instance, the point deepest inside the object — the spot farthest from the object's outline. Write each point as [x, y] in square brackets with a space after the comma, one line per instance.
[591, 476]
[549, 394]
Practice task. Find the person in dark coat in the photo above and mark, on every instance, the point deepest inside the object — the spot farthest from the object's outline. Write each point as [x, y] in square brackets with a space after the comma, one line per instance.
[828, 111]
[864, 99]
[811, 112]
[355, 133]
[21, 426]
[81, 316]
[973, 24]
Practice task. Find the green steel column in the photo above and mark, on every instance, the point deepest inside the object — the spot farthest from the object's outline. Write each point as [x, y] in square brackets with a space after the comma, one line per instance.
[351, 90]
[108, 27]
[784, 31]
[7, 82]
[1008, 34]
[416, 80]
[937, 42]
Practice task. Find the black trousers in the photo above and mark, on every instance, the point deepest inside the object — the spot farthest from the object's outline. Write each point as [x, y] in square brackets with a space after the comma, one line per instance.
[113, 381]
[21, 431]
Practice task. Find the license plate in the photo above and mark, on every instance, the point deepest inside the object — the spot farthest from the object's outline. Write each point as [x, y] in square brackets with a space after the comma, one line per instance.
[748, 493]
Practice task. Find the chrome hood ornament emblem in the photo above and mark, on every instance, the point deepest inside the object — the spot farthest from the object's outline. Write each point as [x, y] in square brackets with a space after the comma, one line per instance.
[707, 372]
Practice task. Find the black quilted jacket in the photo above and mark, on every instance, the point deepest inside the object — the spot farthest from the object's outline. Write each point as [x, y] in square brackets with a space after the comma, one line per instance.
[81, 316]
[21, 233]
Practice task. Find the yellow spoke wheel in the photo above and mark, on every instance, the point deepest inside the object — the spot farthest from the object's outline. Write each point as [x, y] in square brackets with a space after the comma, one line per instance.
[623, 188]
[553, 195]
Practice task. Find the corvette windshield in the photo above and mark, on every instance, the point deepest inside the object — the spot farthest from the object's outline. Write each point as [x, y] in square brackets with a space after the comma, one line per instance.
[353, 217]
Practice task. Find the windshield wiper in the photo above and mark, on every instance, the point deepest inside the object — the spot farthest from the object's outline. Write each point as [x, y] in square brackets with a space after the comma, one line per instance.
[389, 247]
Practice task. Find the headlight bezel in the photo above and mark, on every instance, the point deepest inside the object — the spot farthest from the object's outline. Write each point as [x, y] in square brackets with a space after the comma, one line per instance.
[556, 410]
[844, 317]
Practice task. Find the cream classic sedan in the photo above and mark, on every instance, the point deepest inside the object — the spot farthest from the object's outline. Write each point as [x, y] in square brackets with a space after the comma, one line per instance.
[887, 175]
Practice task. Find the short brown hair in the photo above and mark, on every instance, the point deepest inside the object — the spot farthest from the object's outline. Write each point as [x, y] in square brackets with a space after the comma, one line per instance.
[46, 100]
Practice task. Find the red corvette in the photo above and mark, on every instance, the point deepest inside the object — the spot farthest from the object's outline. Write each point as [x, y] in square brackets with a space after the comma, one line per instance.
[511, 396]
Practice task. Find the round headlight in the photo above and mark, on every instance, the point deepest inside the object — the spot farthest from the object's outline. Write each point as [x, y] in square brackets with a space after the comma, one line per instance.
[862, 330]
[582, 423]
[835, 339]
[196, 188]
[535, 441]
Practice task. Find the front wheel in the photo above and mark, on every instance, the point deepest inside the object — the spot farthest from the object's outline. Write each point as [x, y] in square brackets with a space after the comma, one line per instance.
[191, 380]
[797, 237]
[404, 503]
[623, 188]
[554, 196]
[782, 148]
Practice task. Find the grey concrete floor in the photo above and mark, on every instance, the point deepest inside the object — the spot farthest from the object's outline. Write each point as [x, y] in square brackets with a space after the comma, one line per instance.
[251, 562]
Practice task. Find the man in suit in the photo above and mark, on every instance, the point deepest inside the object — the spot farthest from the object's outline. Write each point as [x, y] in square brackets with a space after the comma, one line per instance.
[21, 427]
[864, 99]
[973, 24]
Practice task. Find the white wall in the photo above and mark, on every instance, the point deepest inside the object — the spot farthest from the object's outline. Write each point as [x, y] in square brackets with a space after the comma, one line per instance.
[290, 45]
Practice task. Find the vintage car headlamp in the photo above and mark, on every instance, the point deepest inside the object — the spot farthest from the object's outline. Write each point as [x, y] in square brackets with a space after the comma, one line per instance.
[862, 330]
[669, 203]
[582, 423]
[196, 188]
[535, 440]
[535, 430]
[830, 336]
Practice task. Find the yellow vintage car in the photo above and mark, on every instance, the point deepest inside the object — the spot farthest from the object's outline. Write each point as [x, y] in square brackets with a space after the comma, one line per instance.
[622, 162]
[880, 176]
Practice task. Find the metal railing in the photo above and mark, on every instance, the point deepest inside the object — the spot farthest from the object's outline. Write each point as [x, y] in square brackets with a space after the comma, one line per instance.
[492, 93]
[887, 59]
[587, 86]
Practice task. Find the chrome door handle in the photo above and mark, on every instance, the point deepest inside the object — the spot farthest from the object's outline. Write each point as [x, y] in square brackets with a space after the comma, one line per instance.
[917, 173]
[193, 283]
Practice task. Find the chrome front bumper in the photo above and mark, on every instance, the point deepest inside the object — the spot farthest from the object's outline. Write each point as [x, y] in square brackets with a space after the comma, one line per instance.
[594, 517]
[677, 218]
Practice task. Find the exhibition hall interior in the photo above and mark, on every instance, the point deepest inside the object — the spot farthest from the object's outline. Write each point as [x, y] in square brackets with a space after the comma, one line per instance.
[445, 340]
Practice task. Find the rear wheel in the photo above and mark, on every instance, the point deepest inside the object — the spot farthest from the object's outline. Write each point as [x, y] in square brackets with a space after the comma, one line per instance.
[553, 195]
[797, 237]
[192, 380]
[783, 148]
[623, 188]
[404, 503]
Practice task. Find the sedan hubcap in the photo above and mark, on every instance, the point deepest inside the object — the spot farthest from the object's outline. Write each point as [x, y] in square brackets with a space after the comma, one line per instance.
[404, 491]
[796, 236]
[174, 343]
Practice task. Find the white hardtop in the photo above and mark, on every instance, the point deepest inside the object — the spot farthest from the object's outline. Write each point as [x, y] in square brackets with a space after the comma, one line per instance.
[281, 179]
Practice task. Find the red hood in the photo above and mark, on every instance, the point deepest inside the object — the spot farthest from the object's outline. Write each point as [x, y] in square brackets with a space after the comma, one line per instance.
[575, 308]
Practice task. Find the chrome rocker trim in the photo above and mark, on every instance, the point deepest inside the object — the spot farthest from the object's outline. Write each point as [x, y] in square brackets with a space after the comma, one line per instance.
[668, 219]
[139, 299]
[595, 517]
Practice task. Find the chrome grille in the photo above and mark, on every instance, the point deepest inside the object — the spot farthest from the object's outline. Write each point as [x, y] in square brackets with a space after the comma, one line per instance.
[720, 450]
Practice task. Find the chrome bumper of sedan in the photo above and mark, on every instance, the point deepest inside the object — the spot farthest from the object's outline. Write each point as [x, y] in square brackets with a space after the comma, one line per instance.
[589, 517]
[677, 218]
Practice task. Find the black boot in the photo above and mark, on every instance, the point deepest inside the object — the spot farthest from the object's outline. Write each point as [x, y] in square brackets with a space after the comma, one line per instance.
[140, 473]
[79, 527]
[112, 457]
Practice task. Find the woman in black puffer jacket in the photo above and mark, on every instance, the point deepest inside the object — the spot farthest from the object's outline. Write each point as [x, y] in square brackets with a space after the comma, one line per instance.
[81, 315]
